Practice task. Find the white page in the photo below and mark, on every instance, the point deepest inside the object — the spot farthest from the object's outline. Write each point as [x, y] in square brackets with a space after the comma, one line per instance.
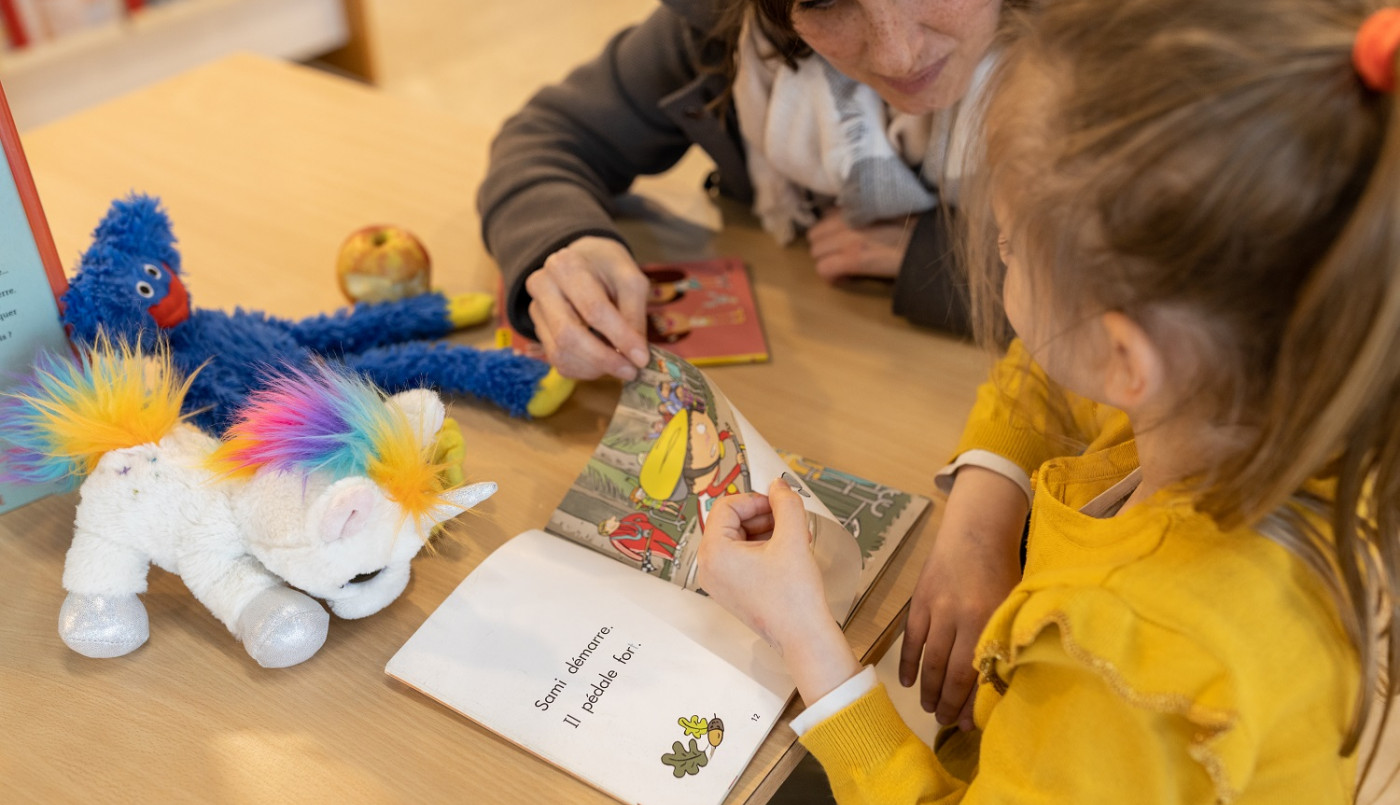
[838, 555]
[505, 639]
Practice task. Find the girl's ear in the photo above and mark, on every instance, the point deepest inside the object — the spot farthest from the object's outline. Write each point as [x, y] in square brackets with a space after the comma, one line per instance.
[1135, 371]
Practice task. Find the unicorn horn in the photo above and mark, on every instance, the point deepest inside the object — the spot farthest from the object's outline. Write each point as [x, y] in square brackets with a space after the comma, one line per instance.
[459, 500]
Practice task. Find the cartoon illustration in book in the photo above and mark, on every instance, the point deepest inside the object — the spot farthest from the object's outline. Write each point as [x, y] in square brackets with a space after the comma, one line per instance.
[636, 537]
[688, 460]
[673, 396]
[672, 448]
[690, 759]
[670, 326]
[641, 500]
[670, 284]
[668, 323]
[866, 509]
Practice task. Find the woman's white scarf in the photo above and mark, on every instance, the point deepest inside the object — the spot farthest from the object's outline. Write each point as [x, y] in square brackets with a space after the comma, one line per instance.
[814, 137]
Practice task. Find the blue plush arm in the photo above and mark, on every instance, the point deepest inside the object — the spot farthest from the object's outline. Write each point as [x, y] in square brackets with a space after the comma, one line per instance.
[364, 326]
[495, 375]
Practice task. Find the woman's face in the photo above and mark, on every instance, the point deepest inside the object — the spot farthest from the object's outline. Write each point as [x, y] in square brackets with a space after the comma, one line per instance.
[919, 55]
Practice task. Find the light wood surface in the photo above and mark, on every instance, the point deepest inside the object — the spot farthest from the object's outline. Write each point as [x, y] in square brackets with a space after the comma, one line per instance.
[265, 168]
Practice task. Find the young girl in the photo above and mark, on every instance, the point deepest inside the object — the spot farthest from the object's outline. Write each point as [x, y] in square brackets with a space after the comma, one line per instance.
[1197, 204]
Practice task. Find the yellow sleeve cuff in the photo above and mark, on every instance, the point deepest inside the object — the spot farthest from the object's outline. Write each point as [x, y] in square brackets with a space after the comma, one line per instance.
[871, 755]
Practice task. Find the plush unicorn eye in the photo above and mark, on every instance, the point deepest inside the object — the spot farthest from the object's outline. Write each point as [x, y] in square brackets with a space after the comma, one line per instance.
[145, 289]
[151, 271]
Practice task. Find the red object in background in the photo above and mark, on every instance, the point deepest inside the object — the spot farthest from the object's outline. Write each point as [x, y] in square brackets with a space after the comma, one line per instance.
[14, 25]
[702, 310]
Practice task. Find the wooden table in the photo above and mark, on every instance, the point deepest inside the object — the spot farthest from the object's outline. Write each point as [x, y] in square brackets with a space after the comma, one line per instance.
[265, 168]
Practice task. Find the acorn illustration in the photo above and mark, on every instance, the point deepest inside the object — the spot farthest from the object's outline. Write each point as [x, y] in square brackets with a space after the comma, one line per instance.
[715, 733]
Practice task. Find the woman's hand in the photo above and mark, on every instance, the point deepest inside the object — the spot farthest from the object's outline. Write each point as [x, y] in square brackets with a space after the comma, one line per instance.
[588, 303]
[841, 250]
[974, 564]
[756, 561]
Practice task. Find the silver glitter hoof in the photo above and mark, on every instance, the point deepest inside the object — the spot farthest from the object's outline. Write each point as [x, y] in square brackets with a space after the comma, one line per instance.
[103, 626]
[282, 627]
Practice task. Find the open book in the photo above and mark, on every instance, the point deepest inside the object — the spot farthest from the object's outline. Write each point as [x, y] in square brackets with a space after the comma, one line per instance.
[588, 644]
[702, 310]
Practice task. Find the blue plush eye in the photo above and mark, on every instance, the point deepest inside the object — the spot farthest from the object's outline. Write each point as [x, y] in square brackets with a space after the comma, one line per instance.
[151, 271]
[145, 289]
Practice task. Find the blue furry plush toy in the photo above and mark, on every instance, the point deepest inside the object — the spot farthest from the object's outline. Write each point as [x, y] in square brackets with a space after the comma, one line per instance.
[128, 285]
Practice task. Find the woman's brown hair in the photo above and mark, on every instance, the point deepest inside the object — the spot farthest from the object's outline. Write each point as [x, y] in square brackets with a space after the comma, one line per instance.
[774, 19]
[1219, 172]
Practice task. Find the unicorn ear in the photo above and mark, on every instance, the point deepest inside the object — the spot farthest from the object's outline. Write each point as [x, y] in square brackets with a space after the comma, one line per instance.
[459, 500]
[350, 508]
[424, 410]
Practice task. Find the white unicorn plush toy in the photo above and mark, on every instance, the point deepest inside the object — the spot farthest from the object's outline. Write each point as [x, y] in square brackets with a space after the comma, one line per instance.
[324, 485]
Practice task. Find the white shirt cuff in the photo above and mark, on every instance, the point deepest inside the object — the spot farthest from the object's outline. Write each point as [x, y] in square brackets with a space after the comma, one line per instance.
[987, 460]
[837, 700]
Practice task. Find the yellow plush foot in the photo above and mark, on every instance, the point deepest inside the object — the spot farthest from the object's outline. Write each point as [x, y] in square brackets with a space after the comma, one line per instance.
[469, 309]
[450, 451]
[552, 391]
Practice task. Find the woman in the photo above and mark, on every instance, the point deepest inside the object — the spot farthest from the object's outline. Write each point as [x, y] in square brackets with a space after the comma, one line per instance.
[768, 88]
[694, 73]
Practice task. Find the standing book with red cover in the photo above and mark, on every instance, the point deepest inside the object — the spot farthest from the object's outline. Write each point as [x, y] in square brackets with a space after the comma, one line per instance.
[703, 310]
[31, 280]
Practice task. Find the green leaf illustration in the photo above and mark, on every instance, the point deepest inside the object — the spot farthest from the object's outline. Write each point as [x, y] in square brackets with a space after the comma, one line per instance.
[695, 726]
[685, 761]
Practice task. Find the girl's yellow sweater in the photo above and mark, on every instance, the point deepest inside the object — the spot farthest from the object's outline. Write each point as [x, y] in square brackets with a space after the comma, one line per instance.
[1148, 657]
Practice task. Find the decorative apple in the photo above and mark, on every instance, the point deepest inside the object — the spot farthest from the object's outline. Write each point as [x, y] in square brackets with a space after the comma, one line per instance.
[382, 263]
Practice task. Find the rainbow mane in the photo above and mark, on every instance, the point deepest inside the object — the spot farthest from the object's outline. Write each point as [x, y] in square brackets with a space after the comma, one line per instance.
[69, 412]
[323, 420]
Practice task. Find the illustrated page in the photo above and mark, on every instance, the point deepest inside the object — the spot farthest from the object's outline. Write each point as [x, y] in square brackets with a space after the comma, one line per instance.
[675, 445]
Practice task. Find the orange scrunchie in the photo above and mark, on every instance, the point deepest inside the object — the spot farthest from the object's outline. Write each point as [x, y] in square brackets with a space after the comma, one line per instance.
[1373, 55]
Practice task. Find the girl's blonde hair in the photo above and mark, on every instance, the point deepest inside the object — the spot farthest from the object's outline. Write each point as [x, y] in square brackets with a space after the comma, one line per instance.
[1218, 171]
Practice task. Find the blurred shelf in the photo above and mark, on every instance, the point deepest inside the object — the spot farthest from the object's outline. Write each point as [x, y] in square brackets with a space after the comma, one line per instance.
[51, 79]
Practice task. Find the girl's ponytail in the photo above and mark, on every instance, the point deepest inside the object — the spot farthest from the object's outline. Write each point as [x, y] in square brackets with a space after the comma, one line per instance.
[1335, 399]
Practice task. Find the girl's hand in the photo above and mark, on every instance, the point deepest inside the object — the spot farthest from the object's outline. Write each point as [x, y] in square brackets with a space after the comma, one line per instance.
[841, 250]
[974, 564]
[588, 303]
[756, 561]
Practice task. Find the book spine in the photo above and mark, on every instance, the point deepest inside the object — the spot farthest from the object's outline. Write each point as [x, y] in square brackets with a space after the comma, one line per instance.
[29, 199]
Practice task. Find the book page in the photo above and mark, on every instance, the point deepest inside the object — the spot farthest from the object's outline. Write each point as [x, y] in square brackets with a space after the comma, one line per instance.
[676, 445]
[559, 644]
[601, 670]
[878, 516]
